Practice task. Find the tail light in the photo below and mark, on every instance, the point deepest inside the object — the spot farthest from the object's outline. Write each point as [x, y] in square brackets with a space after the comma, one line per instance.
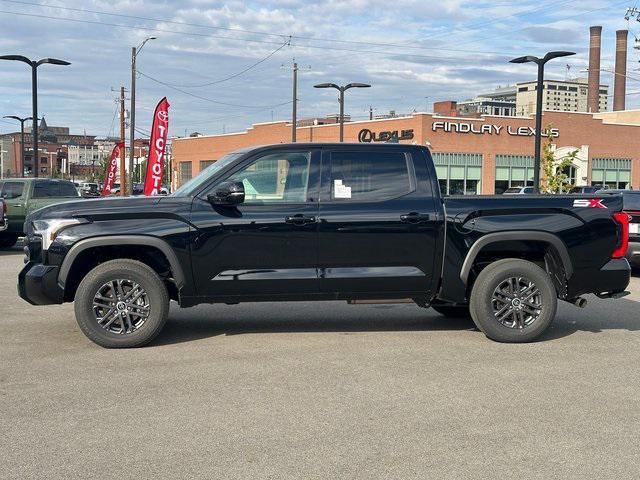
[622, 218]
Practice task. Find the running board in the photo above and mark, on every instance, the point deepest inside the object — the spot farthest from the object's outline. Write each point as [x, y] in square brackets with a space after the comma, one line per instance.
[380, 302]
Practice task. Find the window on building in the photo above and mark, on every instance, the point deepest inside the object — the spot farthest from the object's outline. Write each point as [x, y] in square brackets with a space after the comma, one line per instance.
[562, 87]
[280, 177]
[513, 171]
[573, 89]
[205, 163]
[371, 176]
[185, 172]
[459, 173]
[523, 89]
[611, 172]
[552, 87]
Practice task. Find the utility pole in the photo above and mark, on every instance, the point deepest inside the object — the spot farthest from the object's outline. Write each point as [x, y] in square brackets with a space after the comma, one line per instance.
[132, 120]
[123, 176]
[294, 113]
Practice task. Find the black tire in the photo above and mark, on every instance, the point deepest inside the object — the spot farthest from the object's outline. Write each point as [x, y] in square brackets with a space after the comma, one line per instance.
[8, 240]
[453, 311]
[530, 317]
[132, 272]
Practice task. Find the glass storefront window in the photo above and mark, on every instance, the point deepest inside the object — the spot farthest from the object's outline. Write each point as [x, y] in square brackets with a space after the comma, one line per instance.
[513, 171]
[459, 173]
[611, 172]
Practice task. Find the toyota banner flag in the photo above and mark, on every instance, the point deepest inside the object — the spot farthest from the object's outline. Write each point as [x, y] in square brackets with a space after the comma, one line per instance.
[112, 167]
[155, 163]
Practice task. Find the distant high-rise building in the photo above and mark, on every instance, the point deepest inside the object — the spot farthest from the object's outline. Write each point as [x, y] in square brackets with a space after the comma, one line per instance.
[559, 96]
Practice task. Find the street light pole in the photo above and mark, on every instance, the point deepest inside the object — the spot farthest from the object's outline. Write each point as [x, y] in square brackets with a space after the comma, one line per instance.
[21, 120]
[34, 94]
[342, 89]
[294, 112]
[132, 120]
[540, 86]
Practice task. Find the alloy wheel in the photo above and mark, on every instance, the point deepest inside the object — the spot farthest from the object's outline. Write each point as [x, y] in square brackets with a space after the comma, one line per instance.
[121, 306]
[516, 302]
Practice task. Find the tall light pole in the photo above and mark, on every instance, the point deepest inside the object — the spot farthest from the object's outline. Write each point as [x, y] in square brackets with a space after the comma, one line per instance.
[21, 120]
[132, 121]
[294, 112]
[34, 64]
[342, 89]
[540, 85]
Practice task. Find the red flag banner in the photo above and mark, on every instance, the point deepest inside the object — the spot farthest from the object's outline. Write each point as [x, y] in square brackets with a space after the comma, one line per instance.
[112, 167]
[155, 162]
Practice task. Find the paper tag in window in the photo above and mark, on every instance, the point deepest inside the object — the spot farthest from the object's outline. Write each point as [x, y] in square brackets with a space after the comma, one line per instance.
[340, 190]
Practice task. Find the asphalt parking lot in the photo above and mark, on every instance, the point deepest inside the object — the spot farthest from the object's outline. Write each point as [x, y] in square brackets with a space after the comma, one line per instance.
[319, 391]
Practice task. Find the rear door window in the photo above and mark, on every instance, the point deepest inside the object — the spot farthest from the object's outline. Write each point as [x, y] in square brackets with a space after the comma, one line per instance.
[12, 190]
[370, 176]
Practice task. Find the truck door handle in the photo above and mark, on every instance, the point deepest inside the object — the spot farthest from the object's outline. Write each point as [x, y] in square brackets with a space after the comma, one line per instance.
[301, 219]
[415, 217]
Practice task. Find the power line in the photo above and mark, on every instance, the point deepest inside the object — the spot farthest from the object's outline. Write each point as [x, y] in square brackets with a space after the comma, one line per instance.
[235, 75]
[208, 99]
[291, 36]
[250, 40]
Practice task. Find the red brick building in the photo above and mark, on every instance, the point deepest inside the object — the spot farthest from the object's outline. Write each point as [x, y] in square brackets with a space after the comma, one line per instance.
[472, 155]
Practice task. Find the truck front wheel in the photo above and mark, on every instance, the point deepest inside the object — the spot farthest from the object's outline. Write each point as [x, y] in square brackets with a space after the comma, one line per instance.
[121, 304]
[513, 301]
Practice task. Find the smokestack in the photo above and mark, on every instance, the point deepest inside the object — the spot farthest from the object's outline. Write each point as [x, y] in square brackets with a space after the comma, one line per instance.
[593, 94]
[620, 78]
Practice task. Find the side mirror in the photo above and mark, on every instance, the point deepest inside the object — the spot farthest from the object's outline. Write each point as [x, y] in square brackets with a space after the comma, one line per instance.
[227, 194]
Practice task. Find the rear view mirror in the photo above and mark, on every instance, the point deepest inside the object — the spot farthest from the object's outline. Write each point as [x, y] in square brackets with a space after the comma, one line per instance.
[230, 193]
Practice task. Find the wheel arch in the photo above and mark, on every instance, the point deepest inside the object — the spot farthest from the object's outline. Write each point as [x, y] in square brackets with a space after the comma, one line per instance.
[555, 244]
[121, 241]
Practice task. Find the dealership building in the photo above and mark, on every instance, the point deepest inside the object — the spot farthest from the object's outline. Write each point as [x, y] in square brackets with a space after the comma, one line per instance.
[472, 155]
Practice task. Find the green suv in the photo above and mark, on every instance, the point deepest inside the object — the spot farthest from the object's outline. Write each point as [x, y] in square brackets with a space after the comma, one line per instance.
[25, 195]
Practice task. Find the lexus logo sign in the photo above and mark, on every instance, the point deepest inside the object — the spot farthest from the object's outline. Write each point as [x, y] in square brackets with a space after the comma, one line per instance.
[367, 136]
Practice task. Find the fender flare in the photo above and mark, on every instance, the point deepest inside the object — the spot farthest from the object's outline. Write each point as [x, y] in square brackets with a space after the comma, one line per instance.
[545, 237]
[109, 240]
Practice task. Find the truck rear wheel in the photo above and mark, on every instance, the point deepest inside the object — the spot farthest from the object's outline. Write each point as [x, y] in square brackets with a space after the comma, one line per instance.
[121, 304]
[513, 301]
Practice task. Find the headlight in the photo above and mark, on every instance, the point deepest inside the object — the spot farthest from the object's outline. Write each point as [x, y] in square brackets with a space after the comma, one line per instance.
[49, 229]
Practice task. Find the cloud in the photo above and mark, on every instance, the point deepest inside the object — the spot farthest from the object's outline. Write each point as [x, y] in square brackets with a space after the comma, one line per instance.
[407, 49]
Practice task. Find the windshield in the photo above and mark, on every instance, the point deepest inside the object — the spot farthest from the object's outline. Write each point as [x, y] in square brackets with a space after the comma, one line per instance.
[187, 188]
[512, 190]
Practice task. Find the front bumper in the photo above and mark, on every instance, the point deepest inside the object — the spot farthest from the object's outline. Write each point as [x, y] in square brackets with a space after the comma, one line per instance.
[38, 284]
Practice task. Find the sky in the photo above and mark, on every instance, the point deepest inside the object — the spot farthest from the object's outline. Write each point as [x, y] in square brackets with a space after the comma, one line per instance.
[225, 65]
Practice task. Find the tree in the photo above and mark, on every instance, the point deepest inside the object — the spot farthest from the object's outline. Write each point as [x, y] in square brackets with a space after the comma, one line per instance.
[100, 171]
[554, 179]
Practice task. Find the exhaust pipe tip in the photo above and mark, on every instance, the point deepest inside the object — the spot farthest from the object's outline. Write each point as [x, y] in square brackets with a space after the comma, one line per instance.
[580, 302]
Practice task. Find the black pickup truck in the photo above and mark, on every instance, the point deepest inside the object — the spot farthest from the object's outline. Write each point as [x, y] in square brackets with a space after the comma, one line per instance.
[324, 222]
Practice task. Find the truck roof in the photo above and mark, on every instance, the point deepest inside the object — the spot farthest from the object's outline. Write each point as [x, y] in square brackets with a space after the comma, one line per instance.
[294, 146]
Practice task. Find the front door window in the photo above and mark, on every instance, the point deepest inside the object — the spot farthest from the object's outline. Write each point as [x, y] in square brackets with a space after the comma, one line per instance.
[276, 178]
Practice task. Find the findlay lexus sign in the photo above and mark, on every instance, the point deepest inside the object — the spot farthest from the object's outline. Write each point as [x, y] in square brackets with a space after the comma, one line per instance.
[490, 129]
